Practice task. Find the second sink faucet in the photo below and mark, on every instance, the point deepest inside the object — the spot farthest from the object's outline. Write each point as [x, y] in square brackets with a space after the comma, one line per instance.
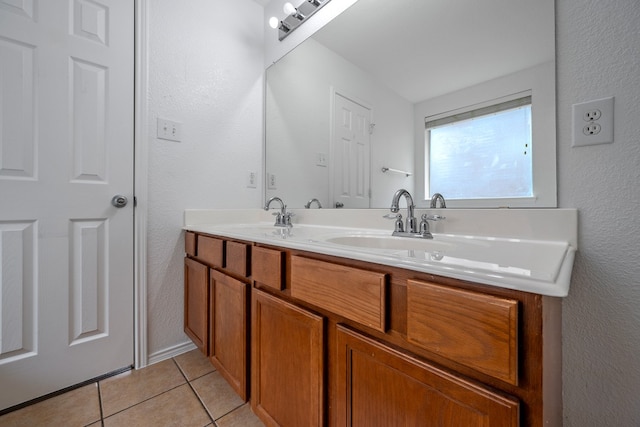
[283, 218]
[434, 201]
[314, 200]
[411, 219]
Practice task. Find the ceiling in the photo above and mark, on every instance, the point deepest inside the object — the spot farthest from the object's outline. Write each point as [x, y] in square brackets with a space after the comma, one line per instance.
[426, 48]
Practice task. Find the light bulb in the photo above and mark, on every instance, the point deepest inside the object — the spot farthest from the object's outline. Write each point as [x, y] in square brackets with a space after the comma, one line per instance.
[288, 8]
[273, 22]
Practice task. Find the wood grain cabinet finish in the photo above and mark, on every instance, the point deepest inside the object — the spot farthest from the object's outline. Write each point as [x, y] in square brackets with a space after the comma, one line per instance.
[237, 258]
[474, 329]
[353, 293]
[196, 303]
[379, 386]
[190, 239]
[267, 267]
[287, 368]
[392, 347]
[211, 251]
[228, 318]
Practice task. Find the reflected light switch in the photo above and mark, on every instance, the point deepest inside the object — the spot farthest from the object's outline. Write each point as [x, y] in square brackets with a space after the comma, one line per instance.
[171, 131]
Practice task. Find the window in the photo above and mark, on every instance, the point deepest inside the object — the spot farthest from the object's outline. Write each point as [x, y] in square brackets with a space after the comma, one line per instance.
[536, 87]
[484, 153]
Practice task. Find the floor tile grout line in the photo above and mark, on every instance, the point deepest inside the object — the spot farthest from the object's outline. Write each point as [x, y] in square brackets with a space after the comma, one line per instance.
[231, 411]
[145, 400]
[184, 374]
[189, 381]
[100, 404]
[202, 404]
[194, 391]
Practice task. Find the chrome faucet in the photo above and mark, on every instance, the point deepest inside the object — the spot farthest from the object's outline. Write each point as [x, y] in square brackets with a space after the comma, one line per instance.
[422, 231]
[283, 218]
[411, 219]
[308, 205]
[434, 201]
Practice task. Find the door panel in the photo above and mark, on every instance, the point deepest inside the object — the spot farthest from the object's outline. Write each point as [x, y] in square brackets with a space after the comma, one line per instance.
[351, 153]
[66, 148]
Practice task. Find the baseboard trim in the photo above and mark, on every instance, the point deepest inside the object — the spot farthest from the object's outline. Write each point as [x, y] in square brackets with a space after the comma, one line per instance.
[170, 352]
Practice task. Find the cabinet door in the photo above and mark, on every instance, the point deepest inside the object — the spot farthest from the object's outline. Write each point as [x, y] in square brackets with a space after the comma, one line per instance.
[228, 329]
[379, 386]
[286, 363]
[196, 302]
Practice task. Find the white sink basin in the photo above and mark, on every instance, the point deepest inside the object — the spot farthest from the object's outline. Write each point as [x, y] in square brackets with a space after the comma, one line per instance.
[390, 242]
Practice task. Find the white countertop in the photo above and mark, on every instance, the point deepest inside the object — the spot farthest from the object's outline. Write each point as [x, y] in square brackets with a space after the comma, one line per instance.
[530, 250]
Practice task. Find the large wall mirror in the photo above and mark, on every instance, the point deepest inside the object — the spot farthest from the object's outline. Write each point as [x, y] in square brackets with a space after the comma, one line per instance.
[346, 109]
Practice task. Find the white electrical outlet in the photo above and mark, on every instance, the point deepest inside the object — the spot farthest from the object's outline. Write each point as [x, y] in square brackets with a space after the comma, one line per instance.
[271, 181]
[251, 179]
[171, 131]
[593, 122]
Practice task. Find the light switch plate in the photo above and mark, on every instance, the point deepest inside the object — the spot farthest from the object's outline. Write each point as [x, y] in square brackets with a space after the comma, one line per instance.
[271, 181]
[169, 130]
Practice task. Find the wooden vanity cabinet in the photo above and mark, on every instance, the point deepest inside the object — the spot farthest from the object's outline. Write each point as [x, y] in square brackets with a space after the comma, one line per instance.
[341, 342]
[287, 363]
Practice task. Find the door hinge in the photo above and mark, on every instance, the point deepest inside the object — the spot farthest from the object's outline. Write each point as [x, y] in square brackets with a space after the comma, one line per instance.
[371, 127]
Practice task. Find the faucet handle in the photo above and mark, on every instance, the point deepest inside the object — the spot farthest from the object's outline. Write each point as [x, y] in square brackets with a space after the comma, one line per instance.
[399, 226]
[286, 219]
[436, 217]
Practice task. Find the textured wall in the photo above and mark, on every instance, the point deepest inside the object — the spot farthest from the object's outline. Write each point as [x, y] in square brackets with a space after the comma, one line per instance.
[205, 71]
[598, 55]
[207, 74]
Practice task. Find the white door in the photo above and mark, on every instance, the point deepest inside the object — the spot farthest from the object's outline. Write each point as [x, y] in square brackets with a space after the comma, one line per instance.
[66, 148]
[351, 154]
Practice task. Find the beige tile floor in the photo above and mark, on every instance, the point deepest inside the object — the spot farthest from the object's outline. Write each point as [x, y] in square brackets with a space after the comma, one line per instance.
[184, 391]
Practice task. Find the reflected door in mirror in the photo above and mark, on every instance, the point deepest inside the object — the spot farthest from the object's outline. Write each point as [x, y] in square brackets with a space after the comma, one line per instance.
[351, 151]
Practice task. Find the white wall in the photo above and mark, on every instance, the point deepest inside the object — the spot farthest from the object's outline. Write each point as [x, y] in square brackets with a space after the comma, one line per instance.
[598, 55]
[299, 92]
[205, 71]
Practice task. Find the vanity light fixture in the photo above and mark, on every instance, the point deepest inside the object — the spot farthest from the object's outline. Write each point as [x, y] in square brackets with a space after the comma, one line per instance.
[295, 16]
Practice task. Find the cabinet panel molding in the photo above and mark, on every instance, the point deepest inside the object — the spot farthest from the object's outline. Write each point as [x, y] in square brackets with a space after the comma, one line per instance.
[228, 316]
[287, 363]
[267, 267]
[190, 239]
[356, 294]
[474, 329]
[237, 258]
[378, 385]
[196, 299]
[211, 251]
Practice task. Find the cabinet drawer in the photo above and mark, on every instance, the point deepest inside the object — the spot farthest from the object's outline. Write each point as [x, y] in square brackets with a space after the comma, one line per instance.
[474, 329]
[237, 258]
[267, 267]
[211, 250]
[190, 239]
[355, 294]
